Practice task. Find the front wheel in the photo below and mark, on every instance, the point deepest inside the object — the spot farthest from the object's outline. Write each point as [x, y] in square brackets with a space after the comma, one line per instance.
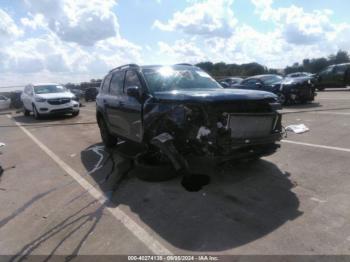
[75, 113]
[26, 112]
[107, 138]
[36, 113]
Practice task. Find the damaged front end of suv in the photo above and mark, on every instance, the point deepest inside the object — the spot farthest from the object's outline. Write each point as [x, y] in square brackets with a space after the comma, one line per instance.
[179, 111]
[221, 125]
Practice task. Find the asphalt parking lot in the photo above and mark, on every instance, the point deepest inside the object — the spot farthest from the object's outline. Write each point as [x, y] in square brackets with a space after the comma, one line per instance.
[56, 195]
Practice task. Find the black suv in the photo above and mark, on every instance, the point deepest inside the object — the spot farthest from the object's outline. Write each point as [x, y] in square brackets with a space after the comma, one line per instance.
[334, 76]
[177, 111]
[91, 93]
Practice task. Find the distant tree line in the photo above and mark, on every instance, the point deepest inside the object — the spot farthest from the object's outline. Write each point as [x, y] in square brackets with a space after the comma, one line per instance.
[84, 85]
[308, 65]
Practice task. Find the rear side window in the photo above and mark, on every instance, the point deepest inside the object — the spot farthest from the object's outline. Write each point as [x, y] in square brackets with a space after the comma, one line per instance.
[105, 85]
[117, 83]
[132, 79]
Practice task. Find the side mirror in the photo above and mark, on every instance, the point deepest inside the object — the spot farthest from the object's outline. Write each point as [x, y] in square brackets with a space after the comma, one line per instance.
[133, 91]
[259, 85]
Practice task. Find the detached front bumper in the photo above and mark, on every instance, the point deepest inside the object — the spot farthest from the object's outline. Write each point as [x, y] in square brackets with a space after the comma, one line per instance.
[305, 93]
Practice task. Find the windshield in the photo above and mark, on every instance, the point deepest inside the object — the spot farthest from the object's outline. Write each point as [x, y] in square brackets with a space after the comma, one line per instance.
[270, 80]
[175, 78]
[48, 89]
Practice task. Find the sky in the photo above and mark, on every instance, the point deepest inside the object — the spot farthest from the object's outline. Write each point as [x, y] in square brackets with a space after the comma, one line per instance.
[77, 40]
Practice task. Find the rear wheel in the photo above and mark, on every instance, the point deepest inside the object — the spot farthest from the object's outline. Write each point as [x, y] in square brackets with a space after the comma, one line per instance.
[107, 138]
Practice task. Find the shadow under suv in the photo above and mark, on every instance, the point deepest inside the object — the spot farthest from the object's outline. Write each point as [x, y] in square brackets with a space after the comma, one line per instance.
[177, 111]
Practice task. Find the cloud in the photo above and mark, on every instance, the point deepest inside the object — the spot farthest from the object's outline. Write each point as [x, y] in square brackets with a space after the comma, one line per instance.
[208, 18]
[75, 40]
[49, 55]
[35, 22]
[181, 51]
[298, 27]
[8, 28]
[82, 22]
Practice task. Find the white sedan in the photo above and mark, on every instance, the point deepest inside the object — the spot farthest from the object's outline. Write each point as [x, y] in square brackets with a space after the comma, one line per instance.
[48, 99]
[5, 102]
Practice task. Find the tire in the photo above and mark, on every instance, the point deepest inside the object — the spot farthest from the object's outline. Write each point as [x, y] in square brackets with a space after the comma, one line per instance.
[108, 139]
[282, 98]
[26, 112]
[150, 171]
[36, 113]
[76, 113]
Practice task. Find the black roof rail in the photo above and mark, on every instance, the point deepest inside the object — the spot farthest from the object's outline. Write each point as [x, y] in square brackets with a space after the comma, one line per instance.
[184, 64]
[125, 66]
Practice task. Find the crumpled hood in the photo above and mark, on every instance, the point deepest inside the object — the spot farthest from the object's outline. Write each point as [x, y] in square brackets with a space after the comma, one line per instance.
[56, 95]
[212, 95]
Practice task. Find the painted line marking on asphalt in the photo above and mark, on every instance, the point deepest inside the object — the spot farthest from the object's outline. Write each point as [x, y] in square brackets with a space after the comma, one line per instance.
[145, 237]
[331, 113]
[336, 98]
[317, 146]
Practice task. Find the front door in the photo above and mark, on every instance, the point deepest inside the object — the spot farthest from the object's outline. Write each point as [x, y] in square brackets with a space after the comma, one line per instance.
[131, 109]
[27, 97]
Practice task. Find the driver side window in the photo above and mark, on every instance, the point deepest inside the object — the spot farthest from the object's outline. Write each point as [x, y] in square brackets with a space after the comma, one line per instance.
[132, 79]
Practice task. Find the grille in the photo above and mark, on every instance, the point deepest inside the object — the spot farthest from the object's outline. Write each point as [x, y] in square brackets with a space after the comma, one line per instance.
[251, 125]
[58, 101]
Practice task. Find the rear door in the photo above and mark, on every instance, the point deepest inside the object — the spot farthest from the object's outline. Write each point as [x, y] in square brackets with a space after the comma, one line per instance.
[131, 108]
[113, 103]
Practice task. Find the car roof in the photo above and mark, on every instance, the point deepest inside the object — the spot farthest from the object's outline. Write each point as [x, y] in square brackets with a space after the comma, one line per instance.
[299, 73]
[177, 66]
[343, 64]
[233, 77]
[143, 67]
[45, 84]
[261, 76]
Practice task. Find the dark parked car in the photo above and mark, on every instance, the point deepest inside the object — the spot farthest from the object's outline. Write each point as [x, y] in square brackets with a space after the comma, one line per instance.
[288, 90]
[91, 93]
[228, 82]
[78, 93]
[334, 76]
[176, 111]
